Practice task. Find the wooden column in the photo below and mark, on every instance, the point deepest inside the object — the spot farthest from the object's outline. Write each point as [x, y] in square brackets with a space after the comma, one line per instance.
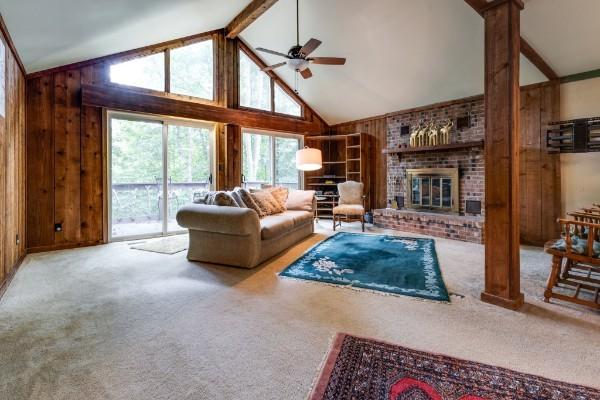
[502, 127]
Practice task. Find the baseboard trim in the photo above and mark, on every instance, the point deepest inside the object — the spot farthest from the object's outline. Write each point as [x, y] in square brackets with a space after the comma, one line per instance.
[62, 246]
[4, 285]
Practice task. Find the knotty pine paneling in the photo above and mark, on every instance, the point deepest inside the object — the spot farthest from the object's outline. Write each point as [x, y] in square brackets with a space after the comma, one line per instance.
[64, 154]
[376, 129]
[12, 174]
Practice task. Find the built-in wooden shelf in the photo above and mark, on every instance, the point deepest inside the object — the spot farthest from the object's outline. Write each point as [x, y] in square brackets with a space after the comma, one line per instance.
[327, 177]
[321, 184]
[426, 149]
[334, 162]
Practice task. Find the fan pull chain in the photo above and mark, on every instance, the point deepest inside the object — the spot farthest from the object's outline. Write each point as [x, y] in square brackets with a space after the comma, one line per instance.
[296, 82]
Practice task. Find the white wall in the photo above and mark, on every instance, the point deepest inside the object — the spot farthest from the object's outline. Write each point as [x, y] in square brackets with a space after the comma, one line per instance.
[580, 173]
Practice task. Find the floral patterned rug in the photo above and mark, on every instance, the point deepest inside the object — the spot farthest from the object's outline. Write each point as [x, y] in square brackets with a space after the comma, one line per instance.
[366, 369]
[389, 264]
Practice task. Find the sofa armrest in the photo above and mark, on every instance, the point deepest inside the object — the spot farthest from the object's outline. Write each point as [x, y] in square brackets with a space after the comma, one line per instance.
[227, 220]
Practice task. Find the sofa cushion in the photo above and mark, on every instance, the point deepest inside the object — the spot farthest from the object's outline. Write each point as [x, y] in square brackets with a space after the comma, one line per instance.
[273, 226]
[300, 217]
[300, 200]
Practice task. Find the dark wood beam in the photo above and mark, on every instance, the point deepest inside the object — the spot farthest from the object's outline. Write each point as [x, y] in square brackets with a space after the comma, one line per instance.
[502, 132]
[537, 60]
[4, 32]
[248, 15]
[118, 97]
[529, 52]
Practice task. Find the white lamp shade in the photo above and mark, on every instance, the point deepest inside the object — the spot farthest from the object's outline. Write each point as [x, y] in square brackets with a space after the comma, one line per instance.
[309, 159]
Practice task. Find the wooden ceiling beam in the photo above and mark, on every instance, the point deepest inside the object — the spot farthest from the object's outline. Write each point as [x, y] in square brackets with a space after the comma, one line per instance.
[117, 97]
[248, 15]
[529, 52]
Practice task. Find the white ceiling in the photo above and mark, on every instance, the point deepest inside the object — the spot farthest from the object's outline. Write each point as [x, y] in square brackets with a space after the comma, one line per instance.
[50, 33]
[401, 53]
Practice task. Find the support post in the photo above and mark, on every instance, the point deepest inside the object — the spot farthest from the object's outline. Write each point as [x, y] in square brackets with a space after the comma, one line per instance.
[502, 127]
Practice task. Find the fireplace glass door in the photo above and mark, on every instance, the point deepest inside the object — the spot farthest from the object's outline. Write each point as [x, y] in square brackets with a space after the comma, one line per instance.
[433, 191]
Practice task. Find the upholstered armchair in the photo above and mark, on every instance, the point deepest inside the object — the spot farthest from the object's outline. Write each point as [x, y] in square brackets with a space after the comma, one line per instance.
[351, 204]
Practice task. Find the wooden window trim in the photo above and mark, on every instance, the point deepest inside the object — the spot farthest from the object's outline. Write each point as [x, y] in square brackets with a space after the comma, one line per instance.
[274, 80]
[166, 50]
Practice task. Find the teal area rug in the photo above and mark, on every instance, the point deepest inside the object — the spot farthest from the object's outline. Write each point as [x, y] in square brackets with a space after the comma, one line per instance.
[390, 264]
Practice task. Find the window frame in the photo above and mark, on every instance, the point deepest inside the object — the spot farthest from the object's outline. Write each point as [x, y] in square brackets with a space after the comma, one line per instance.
[165, 122]
[274, 80]
[166, 50]
[273, 162]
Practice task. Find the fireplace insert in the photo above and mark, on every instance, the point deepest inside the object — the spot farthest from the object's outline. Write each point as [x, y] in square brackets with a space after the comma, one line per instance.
[433, 189]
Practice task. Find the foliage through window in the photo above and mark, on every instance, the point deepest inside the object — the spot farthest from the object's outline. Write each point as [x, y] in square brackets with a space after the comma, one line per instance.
[192, 70]
[255, 85]
[270, 159]
[144, 72]
[284, 103]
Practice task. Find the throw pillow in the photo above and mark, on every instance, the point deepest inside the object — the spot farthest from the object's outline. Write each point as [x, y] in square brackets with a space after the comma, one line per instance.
[238, 198]
[281, 195]
[267, 203]
[221, 199]
[250, 203]
[300, 200]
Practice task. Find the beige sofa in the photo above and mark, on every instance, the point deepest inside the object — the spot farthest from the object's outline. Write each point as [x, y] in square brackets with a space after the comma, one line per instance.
[237, 237]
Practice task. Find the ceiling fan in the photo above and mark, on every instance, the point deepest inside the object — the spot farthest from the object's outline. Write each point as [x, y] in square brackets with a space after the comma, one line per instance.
[297, 56]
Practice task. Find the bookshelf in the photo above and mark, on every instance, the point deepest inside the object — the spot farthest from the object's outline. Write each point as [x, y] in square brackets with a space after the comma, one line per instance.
[345, 157]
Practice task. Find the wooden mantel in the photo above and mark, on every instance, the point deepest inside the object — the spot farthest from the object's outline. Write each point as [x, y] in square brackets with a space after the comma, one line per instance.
[428, 149]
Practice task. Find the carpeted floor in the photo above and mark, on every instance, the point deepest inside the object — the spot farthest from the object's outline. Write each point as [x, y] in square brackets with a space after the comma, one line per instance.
[110, 322]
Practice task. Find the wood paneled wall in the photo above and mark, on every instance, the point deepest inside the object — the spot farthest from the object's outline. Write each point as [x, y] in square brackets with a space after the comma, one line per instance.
[540, 171]
[539, 175]
[12, 169]
[376, 128]
[64, 162]
[65, 140]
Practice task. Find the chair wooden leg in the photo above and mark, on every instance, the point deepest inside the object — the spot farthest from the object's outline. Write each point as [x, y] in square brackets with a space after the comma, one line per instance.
[362, 220]
[334, 222]
[553, 278]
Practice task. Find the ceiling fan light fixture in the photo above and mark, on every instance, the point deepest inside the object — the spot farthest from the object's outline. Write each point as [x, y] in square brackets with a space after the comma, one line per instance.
[297, 64]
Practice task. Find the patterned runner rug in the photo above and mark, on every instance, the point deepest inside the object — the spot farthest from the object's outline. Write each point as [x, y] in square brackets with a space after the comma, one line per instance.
[385, 263]
[359, 368]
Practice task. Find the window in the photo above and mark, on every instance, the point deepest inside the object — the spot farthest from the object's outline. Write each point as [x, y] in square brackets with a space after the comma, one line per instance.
[270, 159]
[145, 72]
[284, 104]
[192, 70]
[156, 165]
[255, 85]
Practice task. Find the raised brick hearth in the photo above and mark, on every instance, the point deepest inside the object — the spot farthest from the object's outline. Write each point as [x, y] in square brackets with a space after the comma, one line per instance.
[469, 161]
[466, 228]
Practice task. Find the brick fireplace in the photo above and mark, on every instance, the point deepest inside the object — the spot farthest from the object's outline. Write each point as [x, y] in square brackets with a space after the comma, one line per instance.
[424, 180]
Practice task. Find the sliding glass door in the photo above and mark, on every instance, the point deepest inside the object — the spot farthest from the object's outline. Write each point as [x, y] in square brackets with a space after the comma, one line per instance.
[155, 167]
[269, 159]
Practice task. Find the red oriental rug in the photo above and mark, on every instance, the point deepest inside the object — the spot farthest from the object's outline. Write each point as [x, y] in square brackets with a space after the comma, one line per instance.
[365, 369]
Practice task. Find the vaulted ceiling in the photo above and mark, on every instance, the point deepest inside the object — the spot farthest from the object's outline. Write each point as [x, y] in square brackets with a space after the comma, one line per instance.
[401, 53]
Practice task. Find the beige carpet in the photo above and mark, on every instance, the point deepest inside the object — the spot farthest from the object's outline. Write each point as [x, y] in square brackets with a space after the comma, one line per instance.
[109, 322]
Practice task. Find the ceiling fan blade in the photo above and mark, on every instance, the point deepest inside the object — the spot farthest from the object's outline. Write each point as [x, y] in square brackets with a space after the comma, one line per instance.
[272, 52]
[306, 73]
[328, 60]
[310, 46]
[272, 67]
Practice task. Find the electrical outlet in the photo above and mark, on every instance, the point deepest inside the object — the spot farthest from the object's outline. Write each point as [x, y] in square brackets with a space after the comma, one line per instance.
[58, 227]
